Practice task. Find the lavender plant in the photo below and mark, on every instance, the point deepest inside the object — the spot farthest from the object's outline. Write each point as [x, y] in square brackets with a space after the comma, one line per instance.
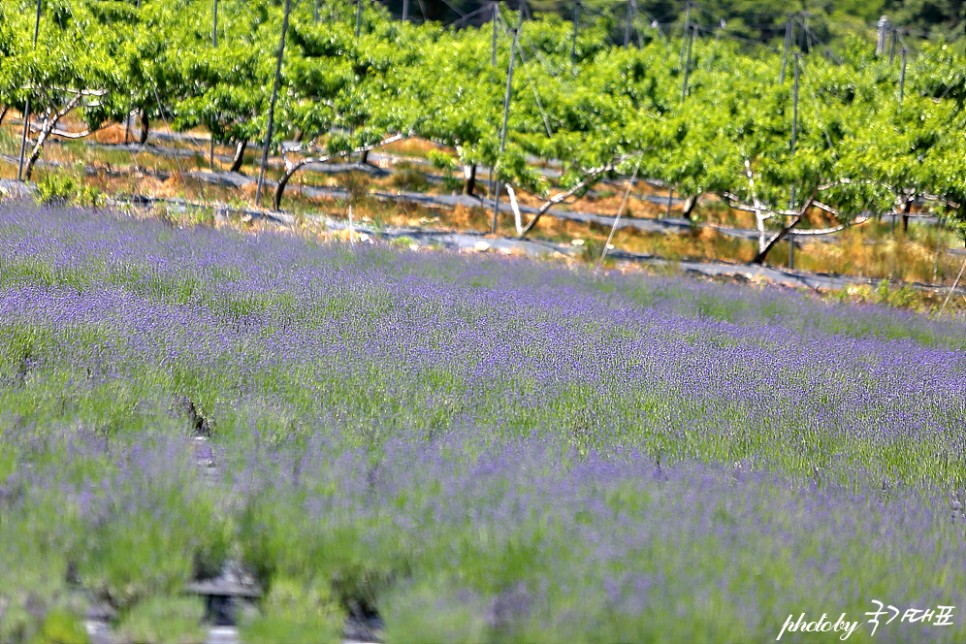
[475, 449]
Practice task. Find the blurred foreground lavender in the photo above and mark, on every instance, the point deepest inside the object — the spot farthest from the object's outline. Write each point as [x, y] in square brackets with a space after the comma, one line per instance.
[477, 449]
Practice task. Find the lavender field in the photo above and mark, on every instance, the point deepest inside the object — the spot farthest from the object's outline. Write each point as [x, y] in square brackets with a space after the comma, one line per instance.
[475, 449]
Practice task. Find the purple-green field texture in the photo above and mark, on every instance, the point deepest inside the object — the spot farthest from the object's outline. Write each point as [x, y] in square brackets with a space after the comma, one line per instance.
[477, 449]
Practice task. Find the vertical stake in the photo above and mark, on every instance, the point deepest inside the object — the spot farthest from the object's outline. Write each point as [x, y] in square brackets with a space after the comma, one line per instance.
[214, 45]
[687, 27]
[358, 17]
[806, 44]
[405, 11]
[627, 23]
[127, 121]
[789, 31]
[902, 76]
[26, 109]
[496, 17]
[271, 105]
[687, 65]
[315, 11]
[573, 40]
[880, 42]
[506, 114]
[892, 45]
[794, 142]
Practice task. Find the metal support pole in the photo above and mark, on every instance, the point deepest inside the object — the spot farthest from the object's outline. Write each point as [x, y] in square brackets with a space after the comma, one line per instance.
[627, 23]
[496, 17]
[506, 113]
[789, 31]
[573, 40]
[902, 76]
[806, 44]
[358, 17]
[794, 143]
[271, 105]
[794, 140]
[127, 120]
[687, 28]
[687, 66]
[405, 11]
[214, 45]
[880, 42]
[26, 109]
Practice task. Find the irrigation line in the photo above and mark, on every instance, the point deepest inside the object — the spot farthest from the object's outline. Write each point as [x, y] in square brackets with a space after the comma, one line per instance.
[471, 15]
[422, 10]
[457, 11]
[533, 50]
[810, 33]
[598, 12]
[906, 47]
[620, 211]
[174, 142]
[177, 160]
[533, 85]
[536, 92]
[952, 289]
[655, 23]
[751, 41]
[821, 121]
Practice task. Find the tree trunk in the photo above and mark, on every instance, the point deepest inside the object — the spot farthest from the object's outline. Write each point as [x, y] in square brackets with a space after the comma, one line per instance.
[35, 154]
[3, 113]
[905, 214]
[689, 205]
[297, 165]
[763, 253]
[766, 248]
[469, 185]
[145, 127]
[238, 159]
[280, 188]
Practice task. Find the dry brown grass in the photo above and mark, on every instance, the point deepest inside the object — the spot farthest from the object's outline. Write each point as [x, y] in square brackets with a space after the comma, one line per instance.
[897, 258]
[610, 203]
[414, 147]
[463, 218]
[112, 135]
[8, 170]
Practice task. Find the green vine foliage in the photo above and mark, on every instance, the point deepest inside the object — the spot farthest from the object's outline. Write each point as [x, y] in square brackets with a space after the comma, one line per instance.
[722, 124]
